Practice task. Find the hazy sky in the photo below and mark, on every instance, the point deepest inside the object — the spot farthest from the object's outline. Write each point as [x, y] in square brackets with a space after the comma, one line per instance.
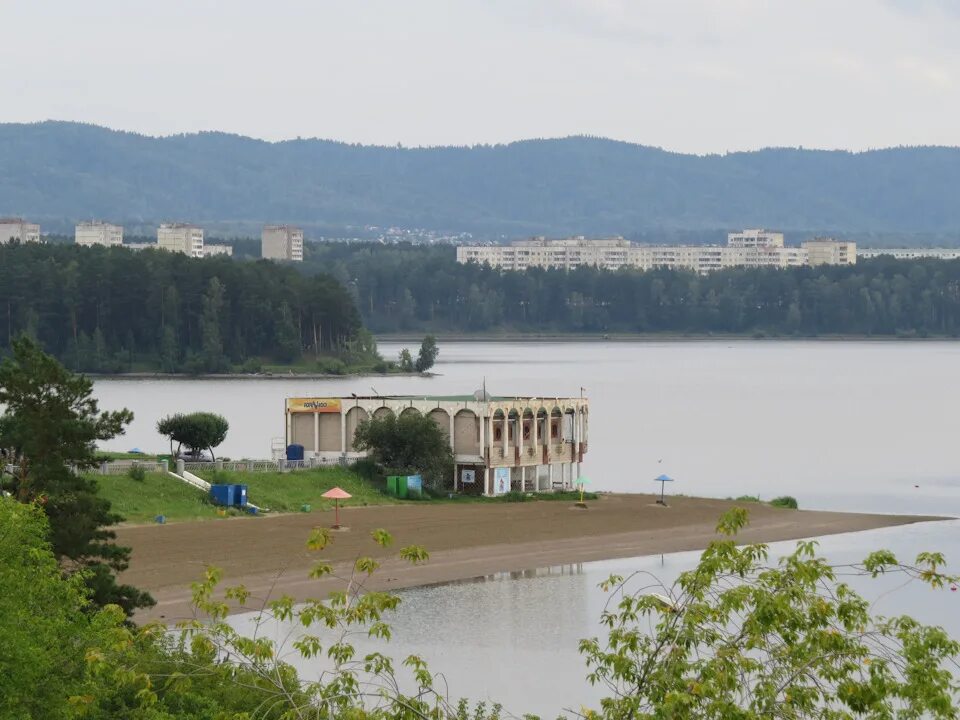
[689, 75]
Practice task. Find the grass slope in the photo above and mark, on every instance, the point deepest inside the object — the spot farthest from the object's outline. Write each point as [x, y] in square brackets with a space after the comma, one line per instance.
[158, 494]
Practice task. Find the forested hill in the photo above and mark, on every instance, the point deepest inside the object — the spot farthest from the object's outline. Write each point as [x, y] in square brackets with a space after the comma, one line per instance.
[417, 288]
[57, 171]
[114, 310]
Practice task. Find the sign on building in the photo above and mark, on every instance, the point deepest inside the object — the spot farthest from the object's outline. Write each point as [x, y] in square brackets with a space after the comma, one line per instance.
[317, 405]
[501, 481]
[468, 477]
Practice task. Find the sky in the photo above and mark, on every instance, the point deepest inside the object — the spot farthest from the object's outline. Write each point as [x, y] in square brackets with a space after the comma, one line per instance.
[697, 76]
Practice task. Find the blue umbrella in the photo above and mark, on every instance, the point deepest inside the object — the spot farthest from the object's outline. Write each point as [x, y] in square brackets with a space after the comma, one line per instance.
[135, 451]
[663, 480]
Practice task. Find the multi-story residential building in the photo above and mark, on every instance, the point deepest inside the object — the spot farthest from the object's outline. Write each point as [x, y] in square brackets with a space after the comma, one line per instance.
[210, 250]
[14, 229]
[751, 248]
[182, 238]
[282, 242]
[827, 251]
[754, 238]
[98, 233]
[910, 253]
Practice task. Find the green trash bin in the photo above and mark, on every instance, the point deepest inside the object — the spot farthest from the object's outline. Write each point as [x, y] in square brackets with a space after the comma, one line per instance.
[397, 485]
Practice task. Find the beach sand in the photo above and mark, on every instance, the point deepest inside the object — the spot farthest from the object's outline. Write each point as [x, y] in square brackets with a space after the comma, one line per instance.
[269, 556]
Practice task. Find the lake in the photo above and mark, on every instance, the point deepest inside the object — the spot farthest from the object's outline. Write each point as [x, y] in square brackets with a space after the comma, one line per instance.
[867, 426]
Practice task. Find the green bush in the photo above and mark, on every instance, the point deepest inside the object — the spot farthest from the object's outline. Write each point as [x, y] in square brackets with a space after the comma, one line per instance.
[748, 498]
[515, 496]
[331, 366]
[785, 501]
[137, 473]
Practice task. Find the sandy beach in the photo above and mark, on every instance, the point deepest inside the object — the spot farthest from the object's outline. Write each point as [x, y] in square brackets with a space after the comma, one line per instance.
[269, 556]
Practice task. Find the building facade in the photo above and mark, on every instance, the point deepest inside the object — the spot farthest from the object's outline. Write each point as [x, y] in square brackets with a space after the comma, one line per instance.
[182, 238]
[210, 250]
[827, 251]
[749, 248]
[755, 238]
[281, 242]
[14, 229]
[524, 444]
[910, 253]
[98, 233]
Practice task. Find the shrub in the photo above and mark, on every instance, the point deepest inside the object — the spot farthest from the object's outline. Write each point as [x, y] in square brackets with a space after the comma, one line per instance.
[515, 496]
[331, 366]
[137, 473]
[785, 501]
[748, 498]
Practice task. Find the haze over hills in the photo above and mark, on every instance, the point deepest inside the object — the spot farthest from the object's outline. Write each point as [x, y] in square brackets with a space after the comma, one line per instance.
[62, 171]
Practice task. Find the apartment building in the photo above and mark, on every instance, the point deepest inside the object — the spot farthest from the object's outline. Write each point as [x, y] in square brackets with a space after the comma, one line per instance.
[15, 229]
[281, 242]
[827, 251]
[211, 250]
[755, 239]
[182, 238]
[98, 233]
[910, 253]
[749, 248]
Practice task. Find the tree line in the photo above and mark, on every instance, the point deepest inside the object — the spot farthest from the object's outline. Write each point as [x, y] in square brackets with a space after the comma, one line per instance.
[112, 310]
[406, 287]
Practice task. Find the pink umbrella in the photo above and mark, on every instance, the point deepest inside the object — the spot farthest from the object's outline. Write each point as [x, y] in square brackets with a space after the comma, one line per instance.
[336, 494]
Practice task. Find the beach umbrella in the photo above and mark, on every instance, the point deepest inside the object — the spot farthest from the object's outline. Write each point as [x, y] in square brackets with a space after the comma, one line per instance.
[336, 494]
[663, 480]
[581, 481]
[135, 451]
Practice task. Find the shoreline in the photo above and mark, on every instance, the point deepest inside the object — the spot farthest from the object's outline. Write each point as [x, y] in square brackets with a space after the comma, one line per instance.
[269, 555]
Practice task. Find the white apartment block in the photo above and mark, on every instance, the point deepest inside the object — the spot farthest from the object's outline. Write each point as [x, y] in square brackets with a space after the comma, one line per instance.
[98, 233]
[14, 229]
[827, 251]
[182, 238]
[910, 253]
[752, 248]
[281, 242]
[210, 250]
[754, 238]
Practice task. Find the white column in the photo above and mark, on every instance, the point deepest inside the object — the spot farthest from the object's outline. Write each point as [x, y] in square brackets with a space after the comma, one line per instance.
[343, 432]
[452, 424]
[316, 433]
[482, 421]
[289, 429]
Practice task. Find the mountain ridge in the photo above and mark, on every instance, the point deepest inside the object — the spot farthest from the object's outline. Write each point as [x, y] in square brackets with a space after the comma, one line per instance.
[579, 184]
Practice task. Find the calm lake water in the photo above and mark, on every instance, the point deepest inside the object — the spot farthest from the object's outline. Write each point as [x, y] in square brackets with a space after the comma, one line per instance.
[840, 426]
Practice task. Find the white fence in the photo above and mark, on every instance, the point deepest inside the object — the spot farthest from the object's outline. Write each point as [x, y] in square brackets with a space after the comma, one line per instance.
[122, 467]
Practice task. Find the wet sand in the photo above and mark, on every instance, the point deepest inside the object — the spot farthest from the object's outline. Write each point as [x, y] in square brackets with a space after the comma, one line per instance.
[269, 556]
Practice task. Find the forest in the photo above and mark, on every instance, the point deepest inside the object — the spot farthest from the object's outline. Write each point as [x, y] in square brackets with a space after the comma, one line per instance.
[113, 310]
[404, 287]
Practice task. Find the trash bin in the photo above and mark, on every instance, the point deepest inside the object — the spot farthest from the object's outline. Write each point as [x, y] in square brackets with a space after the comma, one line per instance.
[160, 519]
[240, 495]
[222, 495]
[294, 452]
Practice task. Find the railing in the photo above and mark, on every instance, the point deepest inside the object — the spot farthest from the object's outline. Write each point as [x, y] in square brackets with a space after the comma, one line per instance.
[122, 467]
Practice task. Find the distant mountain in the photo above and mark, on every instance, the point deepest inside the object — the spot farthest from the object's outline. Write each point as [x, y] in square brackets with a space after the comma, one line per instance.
[66, 171]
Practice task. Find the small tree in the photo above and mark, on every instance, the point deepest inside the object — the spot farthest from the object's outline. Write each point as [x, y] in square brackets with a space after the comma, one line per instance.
[198, 431]
[411, 443]
[738, 638]
[428, 354]
[406, 361]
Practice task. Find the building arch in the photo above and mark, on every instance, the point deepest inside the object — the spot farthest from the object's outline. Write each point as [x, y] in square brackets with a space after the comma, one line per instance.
[355, 416]
[466, 433]
[382, 412]
[408, 411]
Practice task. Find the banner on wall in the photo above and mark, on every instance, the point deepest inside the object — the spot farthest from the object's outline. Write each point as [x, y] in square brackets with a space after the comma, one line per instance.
[316, 405]
[468, 477]
[501, 481]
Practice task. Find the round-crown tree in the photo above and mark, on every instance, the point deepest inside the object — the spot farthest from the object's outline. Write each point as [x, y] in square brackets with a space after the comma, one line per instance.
[198, 431]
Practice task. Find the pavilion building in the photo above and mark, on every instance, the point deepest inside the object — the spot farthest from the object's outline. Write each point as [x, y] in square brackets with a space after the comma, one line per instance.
[524, 444]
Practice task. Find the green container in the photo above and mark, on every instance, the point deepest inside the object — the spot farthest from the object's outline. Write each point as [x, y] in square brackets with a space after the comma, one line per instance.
[305, 508]
[397, 485]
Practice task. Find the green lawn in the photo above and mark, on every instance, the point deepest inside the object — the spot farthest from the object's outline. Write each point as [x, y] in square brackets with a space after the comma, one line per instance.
[287, 492]
[158, 494]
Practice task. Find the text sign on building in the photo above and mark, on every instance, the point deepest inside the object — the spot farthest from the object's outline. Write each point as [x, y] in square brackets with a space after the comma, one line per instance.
[317, 405]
